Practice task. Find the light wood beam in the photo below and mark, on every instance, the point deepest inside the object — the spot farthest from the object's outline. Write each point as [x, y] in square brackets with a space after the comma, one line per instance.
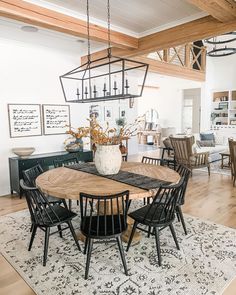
[159, 67]
[39, 16]
[222, 10]
[199, 29]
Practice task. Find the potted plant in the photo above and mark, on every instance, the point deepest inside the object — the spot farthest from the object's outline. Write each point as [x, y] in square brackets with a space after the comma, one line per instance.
[75, 142]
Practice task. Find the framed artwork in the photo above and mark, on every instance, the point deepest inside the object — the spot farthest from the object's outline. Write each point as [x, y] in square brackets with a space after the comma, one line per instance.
[108, 113]
[24, 120]
[56, 118]
[131, 102]
[95, 111]
[122, 111]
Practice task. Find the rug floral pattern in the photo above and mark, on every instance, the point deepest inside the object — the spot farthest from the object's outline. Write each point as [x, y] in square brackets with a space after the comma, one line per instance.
[206, 263]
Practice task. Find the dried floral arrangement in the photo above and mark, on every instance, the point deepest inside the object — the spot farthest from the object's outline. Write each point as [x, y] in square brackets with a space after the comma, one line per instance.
[104, 136]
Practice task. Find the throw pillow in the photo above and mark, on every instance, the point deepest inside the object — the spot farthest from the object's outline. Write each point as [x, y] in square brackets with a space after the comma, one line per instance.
[207, 136]
[206, 143]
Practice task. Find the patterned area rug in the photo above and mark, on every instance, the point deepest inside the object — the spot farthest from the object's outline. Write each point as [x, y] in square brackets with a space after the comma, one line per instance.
[206, 263]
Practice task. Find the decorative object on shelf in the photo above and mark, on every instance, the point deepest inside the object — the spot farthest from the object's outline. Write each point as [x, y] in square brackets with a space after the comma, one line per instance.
[219, 44]
[24, 120]
[56, 118]
[108, 78]
[23, 152]
[75, 142]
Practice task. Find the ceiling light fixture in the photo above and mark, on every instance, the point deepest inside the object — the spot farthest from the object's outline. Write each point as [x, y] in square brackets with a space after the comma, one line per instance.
[29, 29]
[108, 78]
[220, 45]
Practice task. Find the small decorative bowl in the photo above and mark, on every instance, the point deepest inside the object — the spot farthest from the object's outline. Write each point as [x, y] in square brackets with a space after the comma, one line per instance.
[23, 152]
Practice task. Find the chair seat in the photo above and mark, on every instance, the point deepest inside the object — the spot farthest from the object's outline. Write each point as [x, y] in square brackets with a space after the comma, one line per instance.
[155, 217]
[47, 218]
[52, 199]
[98, 231]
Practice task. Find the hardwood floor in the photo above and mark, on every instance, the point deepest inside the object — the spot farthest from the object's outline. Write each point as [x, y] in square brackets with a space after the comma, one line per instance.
[212, 198]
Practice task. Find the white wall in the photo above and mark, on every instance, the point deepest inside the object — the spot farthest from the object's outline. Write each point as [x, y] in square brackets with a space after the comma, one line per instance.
[167, 99]
[220, 75]
[29, 74]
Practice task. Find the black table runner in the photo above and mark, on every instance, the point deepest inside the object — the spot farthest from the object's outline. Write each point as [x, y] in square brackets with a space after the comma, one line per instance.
[137, 180]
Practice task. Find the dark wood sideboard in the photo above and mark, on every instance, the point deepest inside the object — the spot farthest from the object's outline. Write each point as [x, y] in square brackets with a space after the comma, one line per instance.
[17, 164]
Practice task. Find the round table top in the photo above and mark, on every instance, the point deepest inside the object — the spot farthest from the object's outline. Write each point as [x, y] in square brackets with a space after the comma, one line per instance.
[68, 183]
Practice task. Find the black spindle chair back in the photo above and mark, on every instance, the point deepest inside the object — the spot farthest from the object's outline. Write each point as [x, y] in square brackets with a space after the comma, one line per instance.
[162, 210]
[31, 174]
[152, 161]
[67, 162]
[185, 173]
[41, 210]
[104, 216]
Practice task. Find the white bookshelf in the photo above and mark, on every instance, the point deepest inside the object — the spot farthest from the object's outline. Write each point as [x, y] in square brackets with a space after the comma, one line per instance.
[224, 108]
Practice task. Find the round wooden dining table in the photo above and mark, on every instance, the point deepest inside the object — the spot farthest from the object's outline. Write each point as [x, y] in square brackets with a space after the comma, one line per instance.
[67, 183]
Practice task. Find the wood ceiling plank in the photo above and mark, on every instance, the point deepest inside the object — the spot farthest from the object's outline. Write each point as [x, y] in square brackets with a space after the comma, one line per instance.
[222, 10]
[199, 29]
[39, 16]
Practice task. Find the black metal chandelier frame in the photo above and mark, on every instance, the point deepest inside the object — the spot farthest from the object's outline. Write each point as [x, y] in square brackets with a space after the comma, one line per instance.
[86, 75]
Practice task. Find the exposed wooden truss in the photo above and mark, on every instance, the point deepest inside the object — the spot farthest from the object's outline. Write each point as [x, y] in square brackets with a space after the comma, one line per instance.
[185, 61]
[46, 18]
[222, 10]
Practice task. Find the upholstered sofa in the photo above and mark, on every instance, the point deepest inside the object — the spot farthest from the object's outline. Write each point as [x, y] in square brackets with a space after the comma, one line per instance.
[221, 144]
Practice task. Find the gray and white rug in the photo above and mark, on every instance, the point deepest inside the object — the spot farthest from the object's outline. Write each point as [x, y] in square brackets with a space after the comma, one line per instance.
[216, 168]
[206, 263]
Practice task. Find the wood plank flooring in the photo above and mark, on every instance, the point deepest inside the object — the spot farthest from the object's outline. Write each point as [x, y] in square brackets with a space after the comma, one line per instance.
[212, 198]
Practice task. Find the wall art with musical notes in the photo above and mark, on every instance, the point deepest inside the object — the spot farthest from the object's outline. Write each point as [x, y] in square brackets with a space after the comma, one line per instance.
[56, 119]
[24, 120]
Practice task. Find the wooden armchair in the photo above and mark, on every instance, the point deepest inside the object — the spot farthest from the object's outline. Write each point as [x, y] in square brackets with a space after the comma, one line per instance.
[184, 155]
[232, 151]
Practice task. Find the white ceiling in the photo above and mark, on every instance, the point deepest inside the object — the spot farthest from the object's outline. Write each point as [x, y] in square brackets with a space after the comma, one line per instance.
[137, 17]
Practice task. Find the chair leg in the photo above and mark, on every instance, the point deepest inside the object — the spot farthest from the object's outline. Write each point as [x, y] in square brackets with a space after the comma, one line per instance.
[77, 202]
[149, 231]
[122, 254]
[85, 245]
[180, 214]
[132, 235]
[177, 214]
[157, 237]
[90, 246]
[34, 229]
[209, 171]
[46, 242]
[174, 235]
[31, 228]
[73, 234]
[59, 229]
[70, 204]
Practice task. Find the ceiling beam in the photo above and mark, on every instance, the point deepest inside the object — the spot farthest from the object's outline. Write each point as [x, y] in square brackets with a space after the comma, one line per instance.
[199, 29]
[158, 67]
[222, 10]
[39, 16]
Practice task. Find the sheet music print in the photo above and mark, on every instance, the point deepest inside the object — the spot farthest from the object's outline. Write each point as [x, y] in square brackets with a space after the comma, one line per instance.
[25, 120]
[56, 117]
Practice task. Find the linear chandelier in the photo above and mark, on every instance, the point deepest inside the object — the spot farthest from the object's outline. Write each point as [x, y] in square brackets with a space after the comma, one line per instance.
[220, 45]
[108, 78]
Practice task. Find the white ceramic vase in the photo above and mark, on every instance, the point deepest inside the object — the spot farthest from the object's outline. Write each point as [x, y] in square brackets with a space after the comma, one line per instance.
[107, 159]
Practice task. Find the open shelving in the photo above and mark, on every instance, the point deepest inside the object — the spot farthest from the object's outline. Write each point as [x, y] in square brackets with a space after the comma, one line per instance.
[223, 108]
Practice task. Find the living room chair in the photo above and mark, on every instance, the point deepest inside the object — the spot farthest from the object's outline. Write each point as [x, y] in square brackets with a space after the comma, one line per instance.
[45, 215]
[158, 215]
[103, 218]
[232, 151]
[184, 155]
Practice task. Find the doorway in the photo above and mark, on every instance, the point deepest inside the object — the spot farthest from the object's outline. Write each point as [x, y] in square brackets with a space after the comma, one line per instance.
[191, 111]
